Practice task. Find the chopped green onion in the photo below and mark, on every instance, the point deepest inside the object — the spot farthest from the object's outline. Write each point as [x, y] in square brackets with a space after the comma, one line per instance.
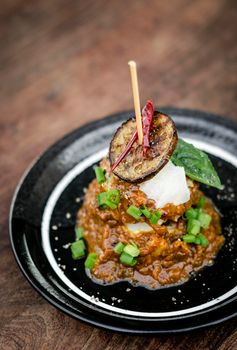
[101, 198]
[134, 211]
[110, 204]
[197, 240]
[194, 227]
[145, 212]
[203, 240]
[109, 199]
[199, 211]
[119, 248]
[79, 232]
[189, 238]
[155, 217]
[191, 213]
[114, 196]
[132, 249]
[78, 249]
[91, 260]
[127, 259]
[201, 202]
[100, 174]
[204, 219]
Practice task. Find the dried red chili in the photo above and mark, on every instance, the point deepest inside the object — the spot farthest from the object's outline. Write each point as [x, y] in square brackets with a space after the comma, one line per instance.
[147, 116]
[126, 150]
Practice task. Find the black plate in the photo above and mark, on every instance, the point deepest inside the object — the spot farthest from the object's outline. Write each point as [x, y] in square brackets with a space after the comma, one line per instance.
[42, 223]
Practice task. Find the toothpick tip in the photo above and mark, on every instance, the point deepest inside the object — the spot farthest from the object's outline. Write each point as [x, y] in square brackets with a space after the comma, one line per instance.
[132, 63]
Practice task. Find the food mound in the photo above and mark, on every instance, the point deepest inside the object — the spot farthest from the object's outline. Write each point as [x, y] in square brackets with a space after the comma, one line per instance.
[144, 218]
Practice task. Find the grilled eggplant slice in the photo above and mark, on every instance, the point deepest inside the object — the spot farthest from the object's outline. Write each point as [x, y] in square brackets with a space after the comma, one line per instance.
[134, 167]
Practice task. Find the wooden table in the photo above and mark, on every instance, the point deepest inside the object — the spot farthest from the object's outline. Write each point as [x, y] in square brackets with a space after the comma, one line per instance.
[64, 63]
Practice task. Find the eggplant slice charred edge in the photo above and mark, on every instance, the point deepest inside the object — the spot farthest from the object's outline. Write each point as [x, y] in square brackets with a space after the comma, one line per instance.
[135, 167]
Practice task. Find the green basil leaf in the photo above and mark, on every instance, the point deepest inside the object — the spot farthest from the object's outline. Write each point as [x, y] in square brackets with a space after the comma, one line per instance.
[196, 164]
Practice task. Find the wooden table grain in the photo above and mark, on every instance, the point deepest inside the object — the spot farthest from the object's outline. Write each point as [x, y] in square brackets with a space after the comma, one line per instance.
[64, 63]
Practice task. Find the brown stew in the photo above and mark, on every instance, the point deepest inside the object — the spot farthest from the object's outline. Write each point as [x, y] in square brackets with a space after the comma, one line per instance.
[164, 258]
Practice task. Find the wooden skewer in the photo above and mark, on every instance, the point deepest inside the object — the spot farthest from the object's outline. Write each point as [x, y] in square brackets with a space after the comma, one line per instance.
[136, 99]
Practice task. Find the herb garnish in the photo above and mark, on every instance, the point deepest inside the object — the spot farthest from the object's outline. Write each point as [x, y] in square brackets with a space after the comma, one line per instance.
[196, 163]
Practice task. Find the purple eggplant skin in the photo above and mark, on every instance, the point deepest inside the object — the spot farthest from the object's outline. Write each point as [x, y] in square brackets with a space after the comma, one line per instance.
[135, 168]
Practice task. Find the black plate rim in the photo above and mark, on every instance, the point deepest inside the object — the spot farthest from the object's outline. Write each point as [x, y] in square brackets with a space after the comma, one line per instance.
[223, 121]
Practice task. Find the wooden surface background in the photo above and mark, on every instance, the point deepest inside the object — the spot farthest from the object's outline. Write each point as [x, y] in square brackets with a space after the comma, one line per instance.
[64, 63]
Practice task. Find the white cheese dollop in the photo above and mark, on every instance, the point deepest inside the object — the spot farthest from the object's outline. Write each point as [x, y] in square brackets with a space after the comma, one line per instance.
[169, 185]
[139, 227]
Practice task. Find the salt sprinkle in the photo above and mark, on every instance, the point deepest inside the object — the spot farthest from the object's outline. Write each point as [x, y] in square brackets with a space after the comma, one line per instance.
[66, 246]
[93, 298]
[54, 227]
[68, 215]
